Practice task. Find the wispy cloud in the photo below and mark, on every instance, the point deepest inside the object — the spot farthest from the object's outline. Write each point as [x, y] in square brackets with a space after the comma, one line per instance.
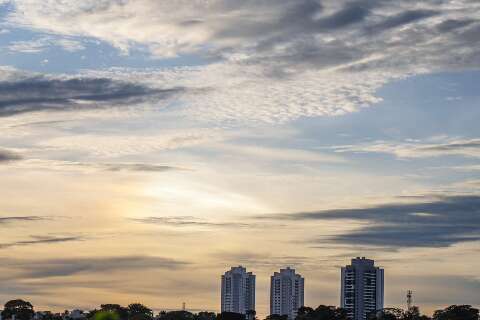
[401, 19]
[45, 43]
[433, 147]
[190, 221]
[45, 268]
[262, 260]
[36, 240]
[121, 144]
[22, 218]
[63, 165]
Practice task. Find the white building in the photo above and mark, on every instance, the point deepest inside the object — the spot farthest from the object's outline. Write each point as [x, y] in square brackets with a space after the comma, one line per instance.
[238, 291]
[286, 293]
[361, 288]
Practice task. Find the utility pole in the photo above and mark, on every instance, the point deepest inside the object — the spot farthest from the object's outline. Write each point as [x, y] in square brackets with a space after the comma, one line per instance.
[184, 306]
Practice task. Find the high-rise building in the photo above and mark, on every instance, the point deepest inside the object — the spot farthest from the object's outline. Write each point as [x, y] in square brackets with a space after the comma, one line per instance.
[362, 288]
[238, 291]
[286, 293]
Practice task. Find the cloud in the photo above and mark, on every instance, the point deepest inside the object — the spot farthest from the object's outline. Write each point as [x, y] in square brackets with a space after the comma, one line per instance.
[190, 221]
[44, 43]
[346, 16]
[115, 145]
[275, 61]
[4, 220]
[145, 167]
[452, 24]
[403, 18]
[441, 222]
[45, 268]
[8, 156]
[97, 166]
[433, 147]
[230, 27]
[234, 93]
[276, 154]
[49, 94]
[262, 260]
[40, 240]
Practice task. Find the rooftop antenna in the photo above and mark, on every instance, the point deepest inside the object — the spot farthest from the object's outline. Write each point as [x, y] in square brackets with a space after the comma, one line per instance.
[409, 300]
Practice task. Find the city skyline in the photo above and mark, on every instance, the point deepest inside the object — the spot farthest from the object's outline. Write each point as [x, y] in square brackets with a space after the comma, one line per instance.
[361, 287]
[146, 146]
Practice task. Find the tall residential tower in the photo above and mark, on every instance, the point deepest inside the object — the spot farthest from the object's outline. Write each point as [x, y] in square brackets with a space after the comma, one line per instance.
[286, 293]
[362, 288]
[238, 291]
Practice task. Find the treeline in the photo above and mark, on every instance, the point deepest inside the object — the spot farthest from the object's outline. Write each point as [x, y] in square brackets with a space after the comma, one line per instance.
[454, 312]
[23, 310]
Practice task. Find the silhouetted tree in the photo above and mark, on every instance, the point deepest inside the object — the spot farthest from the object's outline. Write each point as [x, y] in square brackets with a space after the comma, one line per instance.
[137, 311]
[120, 311]
[277, 317]
[177, 315]
[106, 315]
[230, 316]
[462, 312]
[386, 314]
[304, 313]
[414, 314]
[22, 310]
[90, 314]
[205, 315]
[321, 313]
[336, 313]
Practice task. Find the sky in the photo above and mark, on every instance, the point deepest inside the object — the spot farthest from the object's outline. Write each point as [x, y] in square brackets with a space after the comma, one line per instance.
[146, 146]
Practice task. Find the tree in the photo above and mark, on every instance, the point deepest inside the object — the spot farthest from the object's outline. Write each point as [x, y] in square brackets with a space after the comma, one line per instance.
[277, 317]
[414, 314]
[205, 315]
[138, 311]
[461, 312]
[230, 316]
[177, 315]
[304, 313]
[321, 313]
[386, 314]
[22, 310]
[106, 315]
[120, 311]
[91, 314]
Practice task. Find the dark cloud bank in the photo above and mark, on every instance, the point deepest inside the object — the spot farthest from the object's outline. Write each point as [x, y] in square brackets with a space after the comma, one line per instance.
[361, 29]
[44, 94]
[442, 222]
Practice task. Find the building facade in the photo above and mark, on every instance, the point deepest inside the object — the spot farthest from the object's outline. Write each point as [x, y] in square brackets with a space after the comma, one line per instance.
[362, 288]
[238, 291]
[286, 293]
